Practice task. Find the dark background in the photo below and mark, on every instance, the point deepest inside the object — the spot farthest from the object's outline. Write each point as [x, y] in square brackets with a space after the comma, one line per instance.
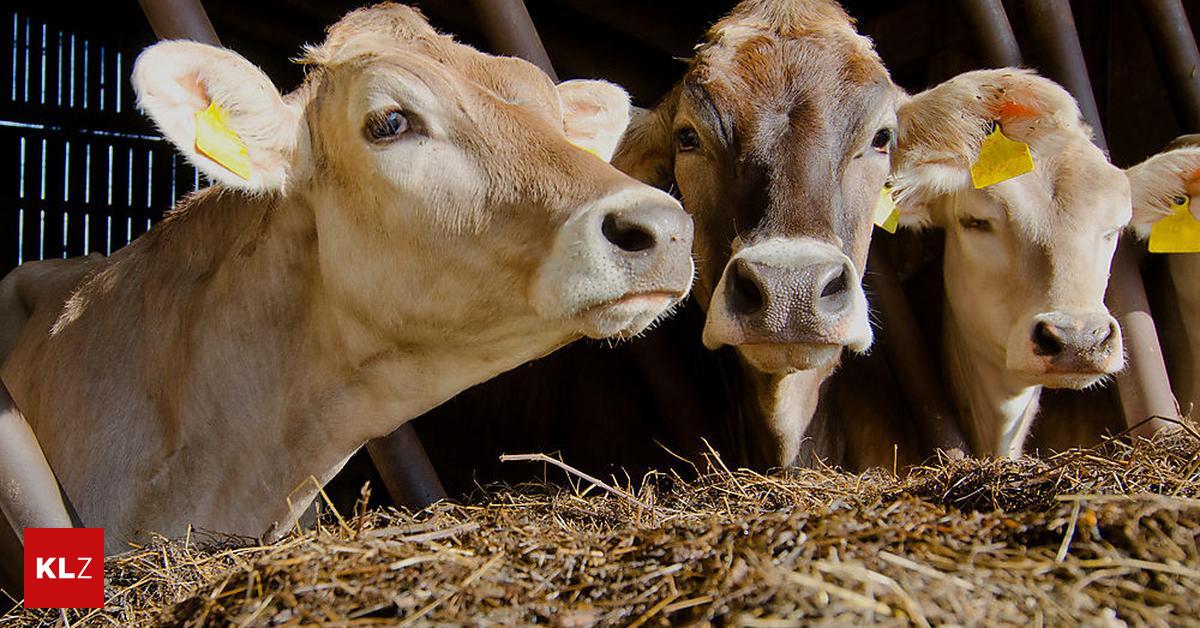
[81, 170]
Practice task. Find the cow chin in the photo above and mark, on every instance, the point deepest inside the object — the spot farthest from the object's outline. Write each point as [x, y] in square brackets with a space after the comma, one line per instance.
[627, 316]
[1072, 381]
[784, 359]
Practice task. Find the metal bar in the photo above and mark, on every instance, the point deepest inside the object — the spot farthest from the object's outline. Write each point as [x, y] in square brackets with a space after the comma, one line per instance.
[1053, 27]
[909, 357]
[990, 25]
[31, 496]
[1178, 58]
[408, 475]
[1144, 386]
[510, 31]
[180, 19]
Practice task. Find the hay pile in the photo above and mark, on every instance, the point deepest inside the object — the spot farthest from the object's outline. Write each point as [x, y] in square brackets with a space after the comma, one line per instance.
[1089, 537]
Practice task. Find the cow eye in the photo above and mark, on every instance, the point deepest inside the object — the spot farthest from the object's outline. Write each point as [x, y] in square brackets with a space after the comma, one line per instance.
[882, 141]
[975, 224]
[385, 126]
[687, 139]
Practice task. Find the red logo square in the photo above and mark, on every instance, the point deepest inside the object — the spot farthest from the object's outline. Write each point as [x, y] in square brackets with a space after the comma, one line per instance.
[64, 567]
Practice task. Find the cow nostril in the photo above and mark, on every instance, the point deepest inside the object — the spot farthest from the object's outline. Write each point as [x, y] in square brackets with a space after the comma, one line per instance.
[1104, 334]
[1047, 340]
[627, 235]
[835, 286]
[745, 295]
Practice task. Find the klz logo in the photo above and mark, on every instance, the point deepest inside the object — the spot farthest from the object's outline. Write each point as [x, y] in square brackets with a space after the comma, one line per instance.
[64, 567]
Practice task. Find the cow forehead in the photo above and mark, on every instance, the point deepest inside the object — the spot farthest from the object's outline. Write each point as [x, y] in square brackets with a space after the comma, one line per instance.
[764, 85]
[402, 35]
[1075, 189]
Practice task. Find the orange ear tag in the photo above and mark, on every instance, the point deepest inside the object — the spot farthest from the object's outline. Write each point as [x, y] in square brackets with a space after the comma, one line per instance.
[1000, 159]
[887, 215]
[1177, 233]
[218, 142]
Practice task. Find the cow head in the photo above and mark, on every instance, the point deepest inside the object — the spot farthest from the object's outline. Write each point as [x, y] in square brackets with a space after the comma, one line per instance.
[1026, 259]
[457, 197]
[777, 142]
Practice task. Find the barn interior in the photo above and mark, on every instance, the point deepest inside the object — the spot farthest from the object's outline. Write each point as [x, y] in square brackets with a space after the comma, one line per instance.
[82, 171]
[70, 133]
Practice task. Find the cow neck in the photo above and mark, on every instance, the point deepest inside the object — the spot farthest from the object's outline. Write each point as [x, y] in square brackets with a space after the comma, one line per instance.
[319, 381]
[994, 407]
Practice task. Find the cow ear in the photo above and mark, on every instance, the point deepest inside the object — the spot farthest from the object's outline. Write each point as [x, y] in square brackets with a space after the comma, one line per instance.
[220, 111]
[648, 149]
[918, 186]
[1156, 183]
[595, 115]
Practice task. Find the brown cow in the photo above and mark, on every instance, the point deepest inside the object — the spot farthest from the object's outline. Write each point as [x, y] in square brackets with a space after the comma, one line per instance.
[777, 142]
[412, 221]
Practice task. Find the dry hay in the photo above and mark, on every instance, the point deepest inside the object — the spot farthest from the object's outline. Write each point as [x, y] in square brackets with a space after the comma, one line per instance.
[1090, 537]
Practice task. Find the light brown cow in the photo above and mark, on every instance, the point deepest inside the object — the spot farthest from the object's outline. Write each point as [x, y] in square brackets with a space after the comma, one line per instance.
[1026, 260]
[417, 220]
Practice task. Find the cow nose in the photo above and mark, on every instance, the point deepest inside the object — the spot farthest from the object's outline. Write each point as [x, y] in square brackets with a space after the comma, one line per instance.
[1075, 343]
[746, 294]
[628, 235]
[639, 229]
[773, 302]
[1050, 339]
[834, 289]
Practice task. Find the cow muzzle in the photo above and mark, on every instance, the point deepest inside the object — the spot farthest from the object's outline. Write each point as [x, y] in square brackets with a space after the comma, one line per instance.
[618, 265]
[789, 305]
[1067, 350]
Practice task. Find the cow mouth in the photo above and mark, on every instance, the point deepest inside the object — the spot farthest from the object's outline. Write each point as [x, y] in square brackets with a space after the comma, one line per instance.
[629, 314]
[787, 358]
[1070, 380]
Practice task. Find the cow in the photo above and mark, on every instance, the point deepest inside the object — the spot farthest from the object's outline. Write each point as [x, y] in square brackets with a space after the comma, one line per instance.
[777, 141]
[414, 219]
[1163, 185]
[1026, 258]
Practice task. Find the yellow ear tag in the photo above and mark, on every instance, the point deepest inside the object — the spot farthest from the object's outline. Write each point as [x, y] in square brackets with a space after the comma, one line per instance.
[590, 150]
[887, 215]
[1000, 159]
[1177, 233]
[218, 142]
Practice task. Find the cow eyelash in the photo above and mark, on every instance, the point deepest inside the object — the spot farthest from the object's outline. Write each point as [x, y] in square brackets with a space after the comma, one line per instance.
[687, 139]
[882, 141]
[975, 224]
[382, 127]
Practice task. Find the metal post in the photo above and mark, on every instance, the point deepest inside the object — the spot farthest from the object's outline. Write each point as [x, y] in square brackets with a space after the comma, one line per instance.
[1053, 27]
[909, 357]
[180, 19]
[510, 31]
[1144, 386]
[990, 25]
[1174, 46]
[407, 473]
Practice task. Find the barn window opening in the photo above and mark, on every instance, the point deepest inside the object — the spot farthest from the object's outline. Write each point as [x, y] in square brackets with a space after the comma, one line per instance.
[81, 170]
